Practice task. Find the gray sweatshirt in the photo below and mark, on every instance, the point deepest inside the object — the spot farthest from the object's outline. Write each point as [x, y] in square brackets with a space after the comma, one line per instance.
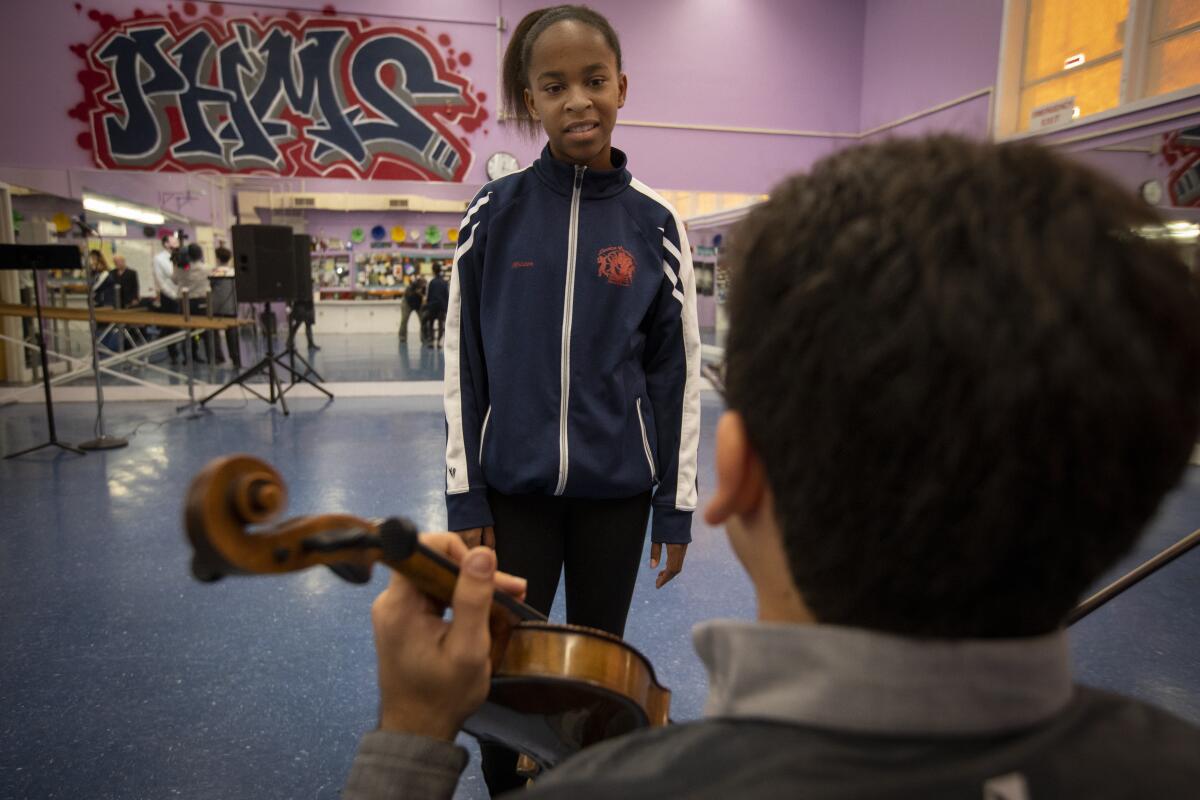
[818, 711]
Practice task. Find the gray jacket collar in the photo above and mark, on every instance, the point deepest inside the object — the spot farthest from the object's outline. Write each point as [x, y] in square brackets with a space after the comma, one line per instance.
[857, 680]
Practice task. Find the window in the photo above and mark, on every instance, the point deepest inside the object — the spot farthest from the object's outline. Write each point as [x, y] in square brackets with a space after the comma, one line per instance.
[1173, 58]
[1073, 48]
[1102, 54]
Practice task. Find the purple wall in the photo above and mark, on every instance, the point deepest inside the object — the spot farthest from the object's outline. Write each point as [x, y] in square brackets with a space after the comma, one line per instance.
[920, 53]
[798, 66]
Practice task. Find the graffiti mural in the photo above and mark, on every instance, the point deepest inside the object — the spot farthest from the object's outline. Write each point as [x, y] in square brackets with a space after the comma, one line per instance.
[323, 96]
[1181, 155]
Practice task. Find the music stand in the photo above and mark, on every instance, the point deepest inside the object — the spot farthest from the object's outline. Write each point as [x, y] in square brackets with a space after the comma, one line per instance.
[37, 259]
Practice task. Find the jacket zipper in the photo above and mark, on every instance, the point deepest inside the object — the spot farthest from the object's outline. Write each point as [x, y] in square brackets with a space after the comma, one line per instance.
[568, 303]
[483, 433]
[646, 443]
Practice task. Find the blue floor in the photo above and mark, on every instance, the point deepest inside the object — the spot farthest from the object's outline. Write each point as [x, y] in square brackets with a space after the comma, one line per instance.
[122, 677]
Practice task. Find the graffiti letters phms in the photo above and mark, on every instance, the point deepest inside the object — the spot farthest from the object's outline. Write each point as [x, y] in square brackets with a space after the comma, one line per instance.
[319, 97]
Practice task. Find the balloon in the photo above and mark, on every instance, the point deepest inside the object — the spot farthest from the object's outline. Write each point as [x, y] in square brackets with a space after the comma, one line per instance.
[398, 234]
[62, 223]
[357, 235]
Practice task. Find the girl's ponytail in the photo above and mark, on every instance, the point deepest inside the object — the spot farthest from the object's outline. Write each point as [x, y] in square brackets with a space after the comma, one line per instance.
[514, 75]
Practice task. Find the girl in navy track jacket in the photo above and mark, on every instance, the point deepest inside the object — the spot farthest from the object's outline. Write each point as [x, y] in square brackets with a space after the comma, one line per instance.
[572, 386]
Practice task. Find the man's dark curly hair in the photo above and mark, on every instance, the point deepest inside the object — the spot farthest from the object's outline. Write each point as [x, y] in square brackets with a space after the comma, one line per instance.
[969, 382]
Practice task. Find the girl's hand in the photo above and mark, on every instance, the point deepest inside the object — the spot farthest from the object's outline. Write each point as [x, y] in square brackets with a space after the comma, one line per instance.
[475, 537]
[675, 556]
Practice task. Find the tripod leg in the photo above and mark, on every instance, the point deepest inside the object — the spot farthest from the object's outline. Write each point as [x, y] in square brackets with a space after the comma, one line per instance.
[238, 380]
[298, 376]
[276, 386]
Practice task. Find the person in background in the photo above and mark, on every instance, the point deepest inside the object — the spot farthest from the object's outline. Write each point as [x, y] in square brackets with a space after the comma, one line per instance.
[572, 363]
[414, 297]
[103, 294]
[165, 290]
[193, 276]
[959, 386]
[303, 310]
[433, 314]
[127, 281]
[232, 339]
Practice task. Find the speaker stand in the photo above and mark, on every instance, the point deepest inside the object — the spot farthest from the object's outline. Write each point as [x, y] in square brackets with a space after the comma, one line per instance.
[266, 364]
[292, 356]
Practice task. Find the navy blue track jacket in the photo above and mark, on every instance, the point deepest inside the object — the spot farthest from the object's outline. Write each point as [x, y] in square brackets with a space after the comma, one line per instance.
[572, 347]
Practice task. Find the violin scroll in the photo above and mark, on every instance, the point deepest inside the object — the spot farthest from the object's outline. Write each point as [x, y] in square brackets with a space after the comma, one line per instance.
[235, 492]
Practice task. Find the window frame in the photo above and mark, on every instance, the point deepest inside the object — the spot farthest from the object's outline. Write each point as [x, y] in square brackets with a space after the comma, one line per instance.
[1134, 52]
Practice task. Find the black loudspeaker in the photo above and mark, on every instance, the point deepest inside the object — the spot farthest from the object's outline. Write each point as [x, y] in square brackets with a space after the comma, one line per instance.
[263, 264]
[302, 255]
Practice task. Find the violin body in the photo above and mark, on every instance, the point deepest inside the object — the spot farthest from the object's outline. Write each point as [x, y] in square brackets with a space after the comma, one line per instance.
[555, 688]
[560, 688]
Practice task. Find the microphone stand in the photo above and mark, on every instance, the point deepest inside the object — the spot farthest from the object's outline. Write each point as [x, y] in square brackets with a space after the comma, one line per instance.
[102, 441]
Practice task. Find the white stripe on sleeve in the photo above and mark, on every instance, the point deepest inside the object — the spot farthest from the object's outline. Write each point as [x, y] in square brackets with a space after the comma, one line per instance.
[457, 481]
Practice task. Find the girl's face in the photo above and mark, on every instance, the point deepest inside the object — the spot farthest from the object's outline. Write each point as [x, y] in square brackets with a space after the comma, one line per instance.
[575, 92]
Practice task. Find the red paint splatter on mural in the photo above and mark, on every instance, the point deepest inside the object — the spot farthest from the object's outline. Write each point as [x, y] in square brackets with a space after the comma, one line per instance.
[79, 50]
[79, 112]
[472, 123]
[216, 9]
[444, 40]
[105, 21]
[78, 7]
[90, 80]
[329, 11]
[189, 8]
[138, 13]
[421, 28]
[178, 19]
[295, 17]
[84, 140]
[452, 64]
[481, 97]
[465, 59]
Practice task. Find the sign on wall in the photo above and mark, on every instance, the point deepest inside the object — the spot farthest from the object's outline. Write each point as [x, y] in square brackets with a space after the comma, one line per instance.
[1052, 115]
[321, 96]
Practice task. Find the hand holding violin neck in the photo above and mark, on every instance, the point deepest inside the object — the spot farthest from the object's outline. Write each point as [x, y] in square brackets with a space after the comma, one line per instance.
[232, 500]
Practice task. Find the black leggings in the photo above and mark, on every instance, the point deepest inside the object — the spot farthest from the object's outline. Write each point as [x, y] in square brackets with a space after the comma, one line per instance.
[597, 543]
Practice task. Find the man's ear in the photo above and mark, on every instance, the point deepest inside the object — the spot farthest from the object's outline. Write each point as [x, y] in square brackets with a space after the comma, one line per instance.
[741, 478]
[623, 89]
[529, 105]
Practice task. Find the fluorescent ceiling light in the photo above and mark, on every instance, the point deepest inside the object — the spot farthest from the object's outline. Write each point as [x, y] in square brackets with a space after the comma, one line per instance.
[122, 210]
